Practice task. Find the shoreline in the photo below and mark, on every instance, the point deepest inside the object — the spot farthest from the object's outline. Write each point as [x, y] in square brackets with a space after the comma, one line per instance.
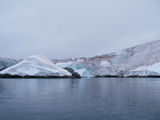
[73, 77]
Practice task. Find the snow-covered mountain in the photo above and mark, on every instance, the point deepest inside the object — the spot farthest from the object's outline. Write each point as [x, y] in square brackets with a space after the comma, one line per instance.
[141, 60]
[35, 66]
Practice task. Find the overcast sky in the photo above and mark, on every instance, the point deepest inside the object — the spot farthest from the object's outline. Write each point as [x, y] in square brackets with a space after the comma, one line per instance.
[75, 28]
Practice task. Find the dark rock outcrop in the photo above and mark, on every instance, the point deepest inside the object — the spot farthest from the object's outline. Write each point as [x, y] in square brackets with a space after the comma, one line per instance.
[27, 76]
[74, 74]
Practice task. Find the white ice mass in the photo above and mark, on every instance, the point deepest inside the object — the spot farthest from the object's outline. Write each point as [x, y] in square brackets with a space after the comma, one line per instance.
[78, 66]
[141, 60]
[105, 63]
[37, 65]
[150, 70]
[123, 63]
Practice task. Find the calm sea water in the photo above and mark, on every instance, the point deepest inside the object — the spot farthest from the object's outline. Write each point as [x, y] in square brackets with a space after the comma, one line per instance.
[80, 99]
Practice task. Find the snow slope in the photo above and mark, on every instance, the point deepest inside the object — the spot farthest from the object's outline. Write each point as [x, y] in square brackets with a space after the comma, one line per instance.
[151, 70]
[37, 65]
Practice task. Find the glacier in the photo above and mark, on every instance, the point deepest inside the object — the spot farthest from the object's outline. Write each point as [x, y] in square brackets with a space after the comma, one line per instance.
[123, 63]
[141, 60]
[150, 70]
[37, 65]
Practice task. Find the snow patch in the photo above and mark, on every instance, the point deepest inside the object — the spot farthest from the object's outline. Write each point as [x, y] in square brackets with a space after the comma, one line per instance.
[140, 68]
[105, 64]
[64, 64]
[153, 69]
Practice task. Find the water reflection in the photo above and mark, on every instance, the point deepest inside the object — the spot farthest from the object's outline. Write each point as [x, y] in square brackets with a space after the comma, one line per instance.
[1, 87]
[91, 98]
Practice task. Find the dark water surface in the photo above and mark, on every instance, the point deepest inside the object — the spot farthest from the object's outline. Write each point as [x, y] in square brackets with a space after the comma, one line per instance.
[80, 99]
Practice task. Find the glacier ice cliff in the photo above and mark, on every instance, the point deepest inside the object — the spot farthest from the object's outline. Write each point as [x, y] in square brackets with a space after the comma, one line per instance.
[142, 60]
[123, 63]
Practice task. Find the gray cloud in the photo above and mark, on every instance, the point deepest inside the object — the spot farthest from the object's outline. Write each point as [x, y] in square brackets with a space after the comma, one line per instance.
[69, 28]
